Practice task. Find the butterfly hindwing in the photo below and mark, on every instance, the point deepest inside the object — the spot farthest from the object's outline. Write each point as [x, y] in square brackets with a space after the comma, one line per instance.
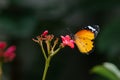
[84, 45]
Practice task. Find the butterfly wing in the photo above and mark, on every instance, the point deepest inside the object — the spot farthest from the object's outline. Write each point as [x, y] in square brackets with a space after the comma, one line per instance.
[84, 40]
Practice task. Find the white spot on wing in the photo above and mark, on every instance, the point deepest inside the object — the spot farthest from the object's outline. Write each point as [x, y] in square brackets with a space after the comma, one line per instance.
[91, 28]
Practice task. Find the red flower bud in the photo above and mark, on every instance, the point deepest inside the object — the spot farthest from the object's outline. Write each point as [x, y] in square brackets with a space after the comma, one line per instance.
[44, 33]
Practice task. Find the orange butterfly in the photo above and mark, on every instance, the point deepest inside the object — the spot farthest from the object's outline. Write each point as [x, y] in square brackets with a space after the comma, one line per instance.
[84, 38]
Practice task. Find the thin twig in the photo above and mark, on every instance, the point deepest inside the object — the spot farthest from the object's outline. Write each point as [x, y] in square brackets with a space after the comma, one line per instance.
[43, 50]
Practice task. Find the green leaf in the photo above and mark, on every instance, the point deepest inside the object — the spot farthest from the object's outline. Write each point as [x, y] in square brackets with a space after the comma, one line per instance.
[110, 72]
[112, 68]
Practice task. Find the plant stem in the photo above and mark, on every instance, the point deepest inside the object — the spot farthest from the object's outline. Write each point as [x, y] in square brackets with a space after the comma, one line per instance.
[47, 63]
[43, 50]
[55, 52]
[0, 70]
[48, 46]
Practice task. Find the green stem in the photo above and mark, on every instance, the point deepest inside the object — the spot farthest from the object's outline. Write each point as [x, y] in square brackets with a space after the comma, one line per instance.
[0, 70]
[43, 50]
[48, 46]
[55, 52]
[47, 63]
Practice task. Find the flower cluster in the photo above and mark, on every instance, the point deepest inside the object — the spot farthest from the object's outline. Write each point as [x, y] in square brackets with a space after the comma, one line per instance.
[8, 54]
[66, 41]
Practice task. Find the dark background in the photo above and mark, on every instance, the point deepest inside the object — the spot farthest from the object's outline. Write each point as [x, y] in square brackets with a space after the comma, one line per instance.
[22, 20]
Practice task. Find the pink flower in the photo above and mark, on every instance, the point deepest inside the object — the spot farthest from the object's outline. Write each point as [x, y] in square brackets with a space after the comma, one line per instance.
[9, 54]
[66, 40]
[2, 45]
[45, 33]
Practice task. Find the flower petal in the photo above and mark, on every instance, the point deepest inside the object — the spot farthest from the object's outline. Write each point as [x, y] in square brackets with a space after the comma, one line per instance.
[9, 57]
[67, 41]
[2, 45]
[11, 49]
[9, 54]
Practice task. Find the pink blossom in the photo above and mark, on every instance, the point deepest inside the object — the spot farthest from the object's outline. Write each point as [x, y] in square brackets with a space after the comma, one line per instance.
[66, 40]
[9, 54]
[2, 45]
[45, 33]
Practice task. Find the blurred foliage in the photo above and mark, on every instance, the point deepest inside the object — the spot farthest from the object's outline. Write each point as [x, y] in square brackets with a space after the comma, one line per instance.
[22, 20]
[108, 70]
[17, 28]
[109, 38]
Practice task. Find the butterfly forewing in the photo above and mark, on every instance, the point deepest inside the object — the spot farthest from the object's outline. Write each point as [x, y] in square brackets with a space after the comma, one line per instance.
[84, 40]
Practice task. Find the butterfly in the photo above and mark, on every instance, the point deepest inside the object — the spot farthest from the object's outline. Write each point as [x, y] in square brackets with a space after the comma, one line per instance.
[84, 38]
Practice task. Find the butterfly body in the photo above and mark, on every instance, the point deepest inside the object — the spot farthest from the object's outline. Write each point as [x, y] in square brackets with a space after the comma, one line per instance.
[84, 38]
